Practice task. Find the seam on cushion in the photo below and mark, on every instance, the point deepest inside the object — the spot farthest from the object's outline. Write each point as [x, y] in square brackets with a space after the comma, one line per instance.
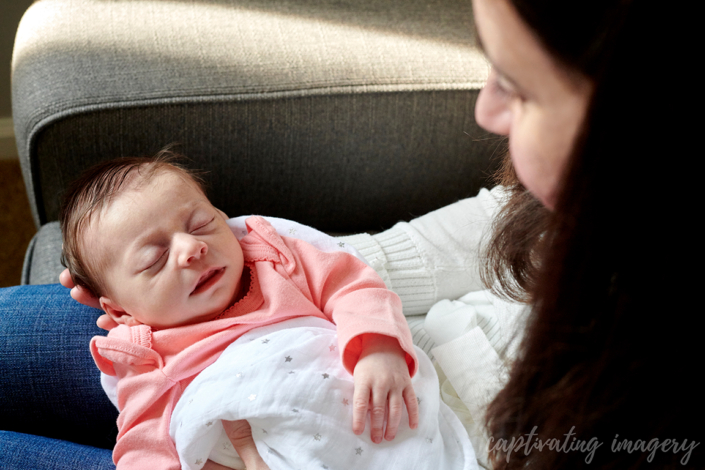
[98, 103]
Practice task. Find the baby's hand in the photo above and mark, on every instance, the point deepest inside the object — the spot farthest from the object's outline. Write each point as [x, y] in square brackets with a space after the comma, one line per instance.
[382, 385]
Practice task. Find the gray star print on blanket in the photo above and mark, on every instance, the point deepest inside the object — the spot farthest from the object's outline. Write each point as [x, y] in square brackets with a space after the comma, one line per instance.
[303, 420]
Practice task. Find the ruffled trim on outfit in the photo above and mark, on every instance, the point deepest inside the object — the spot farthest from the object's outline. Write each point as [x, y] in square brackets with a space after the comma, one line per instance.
[141, 335]
[250, 302]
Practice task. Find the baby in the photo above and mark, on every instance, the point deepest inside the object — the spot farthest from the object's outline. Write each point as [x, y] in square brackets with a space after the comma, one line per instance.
[141, 236]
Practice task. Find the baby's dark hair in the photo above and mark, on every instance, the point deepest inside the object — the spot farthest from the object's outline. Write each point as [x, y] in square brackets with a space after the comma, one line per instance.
[93, 191]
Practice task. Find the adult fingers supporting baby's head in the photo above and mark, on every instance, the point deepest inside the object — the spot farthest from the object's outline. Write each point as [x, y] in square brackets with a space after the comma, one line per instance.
[65, 279]
[106, 322]
[82, 296]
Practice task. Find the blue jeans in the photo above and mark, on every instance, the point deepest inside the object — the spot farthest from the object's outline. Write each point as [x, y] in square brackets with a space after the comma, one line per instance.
[53, 411]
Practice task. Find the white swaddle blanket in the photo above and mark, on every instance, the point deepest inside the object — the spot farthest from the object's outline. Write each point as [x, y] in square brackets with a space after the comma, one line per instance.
[288, 381]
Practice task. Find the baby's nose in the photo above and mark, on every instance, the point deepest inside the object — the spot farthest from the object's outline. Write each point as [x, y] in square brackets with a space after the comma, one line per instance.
[191, 249]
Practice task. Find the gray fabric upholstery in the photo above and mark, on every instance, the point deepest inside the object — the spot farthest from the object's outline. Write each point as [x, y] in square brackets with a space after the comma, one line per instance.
[347, 116]
[301, 159]
[42, 262]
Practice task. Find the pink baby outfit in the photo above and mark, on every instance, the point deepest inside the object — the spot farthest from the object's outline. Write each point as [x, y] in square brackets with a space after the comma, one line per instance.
[289, 278]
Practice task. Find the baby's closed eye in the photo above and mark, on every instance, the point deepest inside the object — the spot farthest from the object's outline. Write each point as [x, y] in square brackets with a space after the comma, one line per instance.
[203, 226]
[153, 260]
[158, 262]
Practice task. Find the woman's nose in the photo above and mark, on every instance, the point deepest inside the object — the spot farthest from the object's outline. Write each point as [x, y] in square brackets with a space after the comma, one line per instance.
[492, 112]
[190, 249]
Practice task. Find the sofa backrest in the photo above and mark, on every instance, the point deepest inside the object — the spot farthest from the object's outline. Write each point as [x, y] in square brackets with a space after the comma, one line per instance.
[347, 116]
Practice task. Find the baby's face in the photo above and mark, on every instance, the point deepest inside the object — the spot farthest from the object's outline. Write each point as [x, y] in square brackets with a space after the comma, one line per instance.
[166, 254]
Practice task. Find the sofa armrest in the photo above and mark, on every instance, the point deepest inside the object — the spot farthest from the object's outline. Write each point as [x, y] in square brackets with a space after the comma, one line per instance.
[42, 260]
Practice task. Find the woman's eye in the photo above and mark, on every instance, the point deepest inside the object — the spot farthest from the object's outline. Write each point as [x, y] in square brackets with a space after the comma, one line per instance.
[504, 89]
[500, 89]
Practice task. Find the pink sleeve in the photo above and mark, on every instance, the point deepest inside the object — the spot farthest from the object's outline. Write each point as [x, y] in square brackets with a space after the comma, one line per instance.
[146, 398]
[349, 293]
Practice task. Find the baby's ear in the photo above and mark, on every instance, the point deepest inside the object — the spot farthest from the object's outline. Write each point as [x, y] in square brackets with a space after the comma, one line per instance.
[114, 311]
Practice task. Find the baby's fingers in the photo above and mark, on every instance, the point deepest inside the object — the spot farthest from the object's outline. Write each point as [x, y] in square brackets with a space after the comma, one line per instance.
[412, 406]
[396, 405]
[377, 415]
[361, 398]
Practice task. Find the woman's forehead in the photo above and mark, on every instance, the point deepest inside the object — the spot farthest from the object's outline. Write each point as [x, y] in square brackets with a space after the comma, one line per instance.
[517, 54]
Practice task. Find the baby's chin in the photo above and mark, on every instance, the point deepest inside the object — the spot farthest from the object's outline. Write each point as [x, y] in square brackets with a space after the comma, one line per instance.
[219, 308]
[194, 319]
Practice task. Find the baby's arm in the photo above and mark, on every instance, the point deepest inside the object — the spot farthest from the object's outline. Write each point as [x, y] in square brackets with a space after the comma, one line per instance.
[373, 334]
[383, 386]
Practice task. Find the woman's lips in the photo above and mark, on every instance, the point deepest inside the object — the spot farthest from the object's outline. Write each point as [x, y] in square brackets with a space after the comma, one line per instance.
[208, 279]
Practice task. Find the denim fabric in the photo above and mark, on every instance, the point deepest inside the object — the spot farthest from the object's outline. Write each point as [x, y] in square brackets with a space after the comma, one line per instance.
[49, 384]
[24, 451]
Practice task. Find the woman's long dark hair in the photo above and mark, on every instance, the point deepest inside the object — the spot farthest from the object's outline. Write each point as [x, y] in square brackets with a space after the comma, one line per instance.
[613, 344]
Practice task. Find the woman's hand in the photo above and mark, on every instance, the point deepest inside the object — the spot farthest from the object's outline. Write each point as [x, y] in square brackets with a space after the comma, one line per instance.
[240, 435]
[84, 297]
[382, 385]
[210, 465]
[78, 293]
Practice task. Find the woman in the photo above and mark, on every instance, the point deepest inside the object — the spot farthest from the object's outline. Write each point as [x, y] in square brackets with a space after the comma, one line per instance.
[579, 240]
[602, 267]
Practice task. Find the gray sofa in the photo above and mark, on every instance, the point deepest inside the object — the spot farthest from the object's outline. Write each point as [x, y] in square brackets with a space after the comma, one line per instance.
[347, 116]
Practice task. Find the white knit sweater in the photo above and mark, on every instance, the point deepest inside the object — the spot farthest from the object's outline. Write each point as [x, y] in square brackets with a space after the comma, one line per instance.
[435, 256]
[433, 264]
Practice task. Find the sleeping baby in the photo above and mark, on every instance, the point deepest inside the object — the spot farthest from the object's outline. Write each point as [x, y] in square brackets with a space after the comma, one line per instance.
[212, 330]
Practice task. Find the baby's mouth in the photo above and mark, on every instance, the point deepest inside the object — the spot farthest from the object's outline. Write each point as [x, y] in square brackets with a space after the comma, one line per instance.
[207, 279]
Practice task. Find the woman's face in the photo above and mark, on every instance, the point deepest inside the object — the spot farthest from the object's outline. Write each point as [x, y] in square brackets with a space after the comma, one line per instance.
[529, 97]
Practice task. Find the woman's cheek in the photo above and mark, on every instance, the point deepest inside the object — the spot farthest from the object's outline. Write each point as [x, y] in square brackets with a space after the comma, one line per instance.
[520, 161]
[537, 173]
[526, 158]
